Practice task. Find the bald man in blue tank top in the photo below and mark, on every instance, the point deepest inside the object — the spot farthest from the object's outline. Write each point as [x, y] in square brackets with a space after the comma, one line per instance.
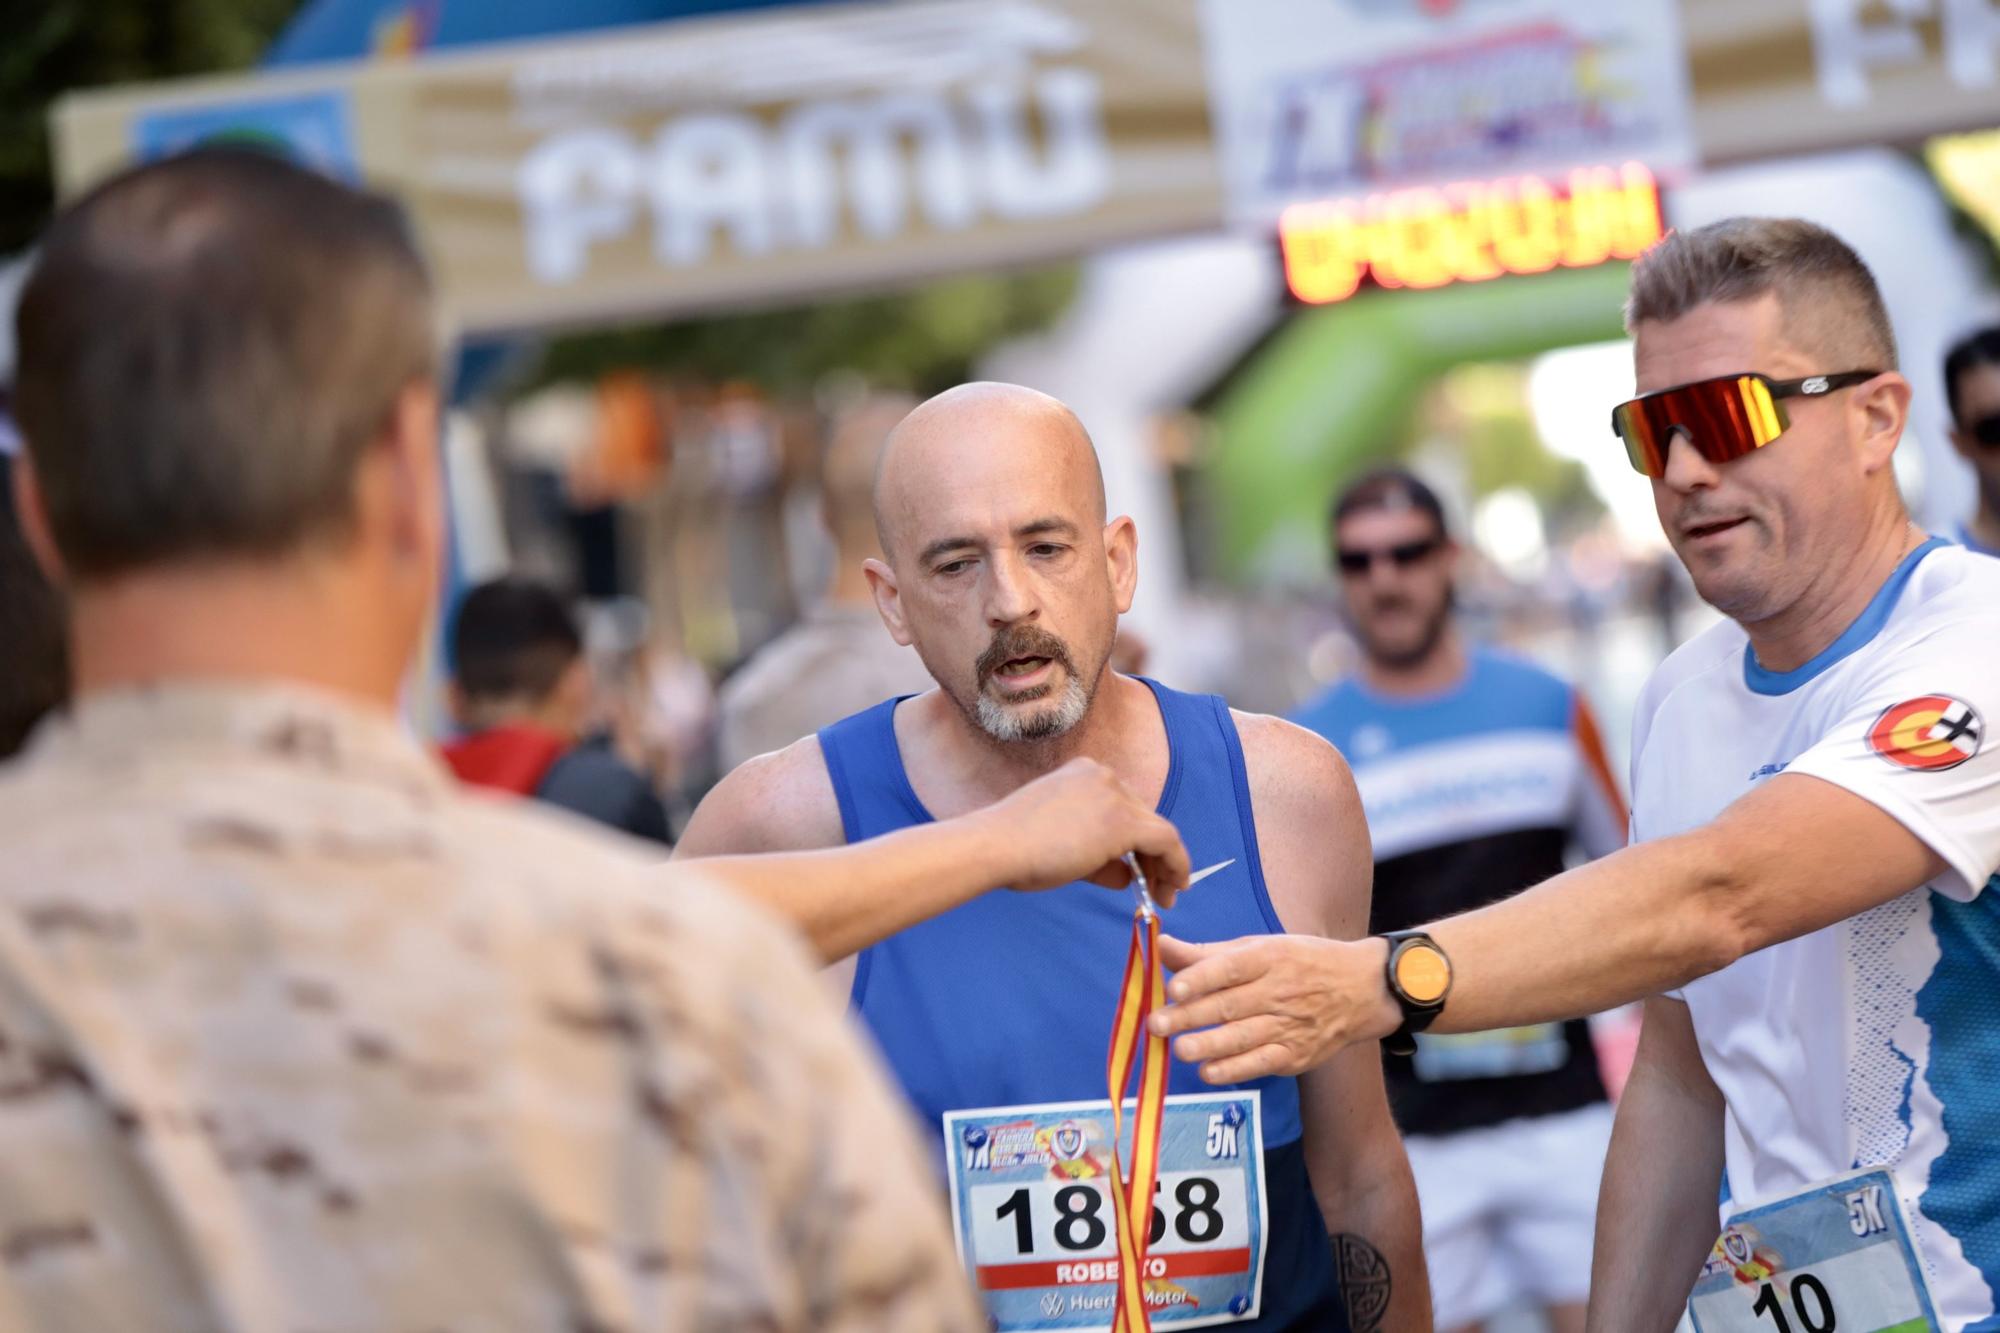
[1285, 1203]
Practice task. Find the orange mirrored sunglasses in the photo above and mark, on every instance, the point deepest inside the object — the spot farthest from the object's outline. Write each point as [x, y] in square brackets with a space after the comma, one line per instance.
[1723, 418]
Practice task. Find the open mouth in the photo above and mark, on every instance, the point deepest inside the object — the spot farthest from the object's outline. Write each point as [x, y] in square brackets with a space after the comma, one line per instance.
[1700, 531]
[1022, 671]
[1020, 664]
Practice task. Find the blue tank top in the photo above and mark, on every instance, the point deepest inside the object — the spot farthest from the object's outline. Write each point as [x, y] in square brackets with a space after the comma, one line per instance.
[1007, 1000]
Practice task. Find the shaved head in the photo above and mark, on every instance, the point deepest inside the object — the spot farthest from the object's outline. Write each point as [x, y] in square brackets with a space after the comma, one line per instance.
[962, 428]
[1001, 568]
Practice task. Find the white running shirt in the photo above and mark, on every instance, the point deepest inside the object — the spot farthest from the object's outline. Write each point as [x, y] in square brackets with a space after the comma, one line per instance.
[1876, 1041]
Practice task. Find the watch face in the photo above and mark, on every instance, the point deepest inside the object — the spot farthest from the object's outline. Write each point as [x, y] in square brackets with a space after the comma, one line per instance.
[1422, 973]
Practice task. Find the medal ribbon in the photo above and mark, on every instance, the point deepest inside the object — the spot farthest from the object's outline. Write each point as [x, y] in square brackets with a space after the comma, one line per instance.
[1145, 990]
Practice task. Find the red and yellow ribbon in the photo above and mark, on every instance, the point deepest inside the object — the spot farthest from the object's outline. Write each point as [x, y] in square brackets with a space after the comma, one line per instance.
[1145, 990]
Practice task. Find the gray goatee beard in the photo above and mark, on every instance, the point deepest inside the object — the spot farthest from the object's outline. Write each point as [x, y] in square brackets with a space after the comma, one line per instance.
[1043, 724]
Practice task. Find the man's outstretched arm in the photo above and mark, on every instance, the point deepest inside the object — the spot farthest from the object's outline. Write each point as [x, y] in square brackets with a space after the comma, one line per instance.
[1797, 854]
[753, 832]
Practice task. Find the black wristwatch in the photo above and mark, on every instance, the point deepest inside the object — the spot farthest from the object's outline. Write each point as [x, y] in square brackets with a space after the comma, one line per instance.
[1419, 977]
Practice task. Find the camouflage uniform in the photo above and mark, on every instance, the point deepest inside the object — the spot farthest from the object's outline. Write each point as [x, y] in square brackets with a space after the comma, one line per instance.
[295, 1035]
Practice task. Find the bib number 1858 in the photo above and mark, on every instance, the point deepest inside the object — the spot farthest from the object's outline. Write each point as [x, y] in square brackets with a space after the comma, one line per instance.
[1080, 1223]
[1031, 1197]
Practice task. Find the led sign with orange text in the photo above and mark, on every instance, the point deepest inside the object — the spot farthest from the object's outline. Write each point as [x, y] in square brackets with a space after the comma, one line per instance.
[1466, 233]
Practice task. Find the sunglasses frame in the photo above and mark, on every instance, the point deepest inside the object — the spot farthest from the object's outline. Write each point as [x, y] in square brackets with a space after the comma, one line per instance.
[1805, 386]
[1402, 555]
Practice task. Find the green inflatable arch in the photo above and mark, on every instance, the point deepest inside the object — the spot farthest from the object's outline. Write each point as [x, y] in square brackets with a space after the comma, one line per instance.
[1337, 384]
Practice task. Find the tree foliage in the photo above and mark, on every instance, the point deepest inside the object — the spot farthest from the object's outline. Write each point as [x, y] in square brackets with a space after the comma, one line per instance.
[922, 339]
[50, 47]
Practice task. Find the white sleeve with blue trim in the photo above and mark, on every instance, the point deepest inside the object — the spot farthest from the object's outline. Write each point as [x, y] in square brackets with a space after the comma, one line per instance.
[1915, 739]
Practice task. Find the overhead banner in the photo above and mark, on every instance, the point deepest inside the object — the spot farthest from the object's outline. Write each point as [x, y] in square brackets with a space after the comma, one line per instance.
[1339, 98]
[703, 163]
[1777, 77]
[785, 154]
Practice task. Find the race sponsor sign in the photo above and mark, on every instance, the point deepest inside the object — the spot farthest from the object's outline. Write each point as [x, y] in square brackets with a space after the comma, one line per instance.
[1343, 98]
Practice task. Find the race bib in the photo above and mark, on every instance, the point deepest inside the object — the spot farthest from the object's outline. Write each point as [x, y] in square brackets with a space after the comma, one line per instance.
[1031, 1203]
[1501, 1053]
[1837, 1256]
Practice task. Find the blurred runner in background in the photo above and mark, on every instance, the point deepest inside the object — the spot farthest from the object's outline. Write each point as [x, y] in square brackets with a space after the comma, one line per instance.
[839, 659]
[1002, 570]
[292, 1032]
[1972, 385]
[521, 690]
[1479, 771]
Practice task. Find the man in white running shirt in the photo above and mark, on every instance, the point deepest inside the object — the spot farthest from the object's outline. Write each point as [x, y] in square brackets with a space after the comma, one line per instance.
[1810, 901]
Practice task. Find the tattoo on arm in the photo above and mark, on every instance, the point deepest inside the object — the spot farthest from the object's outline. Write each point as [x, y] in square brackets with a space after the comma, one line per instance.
[1364, 1282]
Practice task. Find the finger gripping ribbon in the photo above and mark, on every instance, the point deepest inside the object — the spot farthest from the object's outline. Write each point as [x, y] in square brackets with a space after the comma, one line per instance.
[1143, 991]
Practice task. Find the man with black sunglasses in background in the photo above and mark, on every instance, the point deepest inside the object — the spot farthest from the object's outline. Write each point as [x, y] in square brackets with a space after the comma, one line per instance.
[1479, 772]
[1811, 904]
[1972, 386]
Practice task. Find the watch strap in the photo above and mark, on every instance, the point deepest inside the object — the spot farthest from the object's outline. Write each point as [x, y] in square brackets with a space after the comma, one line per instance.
[1417, 1014]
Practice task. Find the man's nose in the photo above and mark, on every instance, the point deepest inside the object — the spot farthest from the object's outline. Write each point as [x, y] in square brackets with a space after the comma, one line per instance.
[1011, 596]
[1686, 469]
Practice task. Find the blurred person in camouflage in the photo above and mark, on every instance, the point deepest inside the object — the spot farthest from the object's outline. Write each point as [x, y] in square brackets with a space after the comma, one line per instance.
[293, 1033]
[839, 659]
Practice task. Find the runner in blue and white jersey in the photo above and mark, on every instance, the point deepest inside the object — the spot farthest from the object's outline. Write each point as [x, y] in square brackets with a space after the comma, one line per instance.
[1480, 773]
[1972, 386]
[1810, 900]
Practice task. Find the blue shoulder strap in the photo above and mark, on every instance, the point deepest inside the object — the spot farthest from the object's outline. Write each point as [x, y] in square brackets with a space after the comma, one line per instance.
[1208, 787]
[866, 767]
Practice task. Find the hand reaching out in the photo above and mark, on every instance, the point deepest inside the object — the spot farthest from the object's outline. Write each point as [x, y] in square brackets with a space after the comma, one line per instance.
[1077, 823]
[1272, 1004]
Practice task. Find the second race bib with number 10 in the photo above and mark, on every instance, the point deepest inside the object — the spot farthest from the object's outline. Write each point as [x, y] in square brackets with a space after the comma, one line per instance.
[1834, 1257]
[1031, 1204]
